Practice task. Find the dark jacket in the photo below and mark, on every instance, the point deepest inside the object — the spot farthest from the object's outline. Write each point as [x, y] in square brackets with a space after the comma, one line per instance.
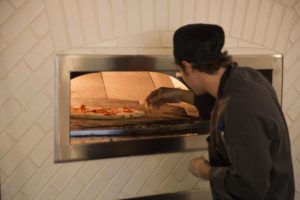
[249, 147]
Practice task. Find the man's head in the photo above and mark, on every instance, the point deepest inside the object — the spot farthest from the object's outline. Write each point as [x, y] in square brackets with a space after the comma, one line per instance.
[200, 45]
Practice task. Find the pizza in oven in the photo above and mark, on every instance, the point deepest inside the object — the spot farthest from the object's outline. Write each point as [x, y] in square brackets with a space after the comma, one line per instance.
[105, 112]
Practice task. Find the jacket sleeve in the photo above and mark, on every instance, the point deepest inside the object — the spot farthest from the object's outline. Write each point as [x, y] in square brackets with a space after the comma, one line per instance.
[204, 104]
[249, 151]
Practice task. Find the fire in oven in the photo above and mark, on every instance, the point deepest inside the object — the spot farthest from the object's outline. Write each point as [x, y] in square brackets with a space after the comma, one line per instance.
[100, 110]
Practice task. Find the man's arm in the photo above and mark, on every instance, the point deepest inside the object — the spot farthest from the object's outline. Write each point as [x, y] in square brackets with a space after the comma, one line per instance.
[204, 103]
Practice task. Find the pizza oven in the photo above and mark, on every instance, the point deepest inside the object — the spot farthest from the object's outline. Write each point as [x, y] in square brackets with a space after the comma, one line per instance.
[118, 81]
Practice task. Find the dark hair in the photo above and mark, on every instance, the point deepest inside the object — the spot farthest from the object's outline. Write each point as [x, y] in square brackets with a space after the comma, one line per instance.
[212, 66]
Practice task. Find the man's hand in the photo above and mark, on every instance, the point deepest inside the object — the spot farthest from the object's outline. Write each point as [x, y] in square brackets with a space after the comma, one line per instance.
[168, 95]
[200, 167]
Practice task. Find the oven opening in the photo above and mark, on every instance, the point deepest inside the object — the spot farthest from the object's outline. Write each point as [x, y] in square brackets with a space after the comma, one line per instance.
[110, 84]
[107, 107]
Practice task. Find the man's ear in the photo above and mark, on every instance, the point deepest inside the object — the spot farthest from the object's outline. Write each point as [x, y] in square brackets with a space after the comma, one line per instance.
[187, 66]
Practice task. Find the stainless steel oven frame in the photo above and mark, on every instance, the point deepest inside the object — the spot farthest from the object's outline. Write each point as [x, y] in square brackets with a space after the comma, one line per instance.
[67, 63]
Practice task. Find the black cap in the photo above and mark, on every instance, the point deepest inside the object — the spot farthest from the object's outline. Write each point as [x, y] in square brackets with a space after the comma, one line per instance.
[198, 43]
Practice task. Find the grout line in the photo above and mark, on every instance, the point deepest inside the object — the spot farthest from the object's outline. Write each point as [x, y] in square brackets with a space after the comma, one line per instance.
[97, 20]
[140, 17]
[64, 20]
[232, 19]
[112, 19]
[51, 177]
[9, 137]
[28, 26]
[12, 5]
[220, 13]
[98, 173]
[48, 21]
[20, 189]
[125, 8]
[33, 47]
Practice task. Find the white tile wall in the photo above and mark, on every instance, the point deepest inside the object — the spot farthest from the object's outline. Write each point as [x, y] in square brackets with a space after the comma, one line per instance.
[5, 144]
[273, 26]
[116, 184]
[42, 150]
[49, 92]
[162, 10]
[262, 21]
[144, 191]
[46, 120]
[36, 81]
[5, 10]
[90, 169]
[133, 163]
[289, 2]
[188, 11]
[72, 190]
[27, 117]
[294, 135]
[104, 16]
[112, 167]
[17, 179]
[187, 182]
[95, 186]
[74, 27]
[215, 7]
[294, 110]
[227, 15]
[9, 111]
[164, 170]
[119, 18]
[89, 20]
[40, 178]
[32, 31]
[293, 74]
[40, 52]
[250, 20]
[147, 39]
[17, 3]
[57, 24]
[2, 44]
[40, 25]
[168, 185]
[46, 194]
[297, 7]
[147, 9]
[3, 177]
[175, 14]
[297, 85]
[287, 24]
[289, 97]
[20, 20]
[15, 51]
[202, 8]
[64, 175]
[295, 33]
[292, 56]
[14, 79]
[141, 176]
[20, 150]
[133, 16]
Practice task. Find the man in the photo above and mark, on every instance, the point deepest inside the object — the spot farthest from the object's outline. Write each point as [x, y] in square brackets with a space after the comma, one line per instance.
[249, 147]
